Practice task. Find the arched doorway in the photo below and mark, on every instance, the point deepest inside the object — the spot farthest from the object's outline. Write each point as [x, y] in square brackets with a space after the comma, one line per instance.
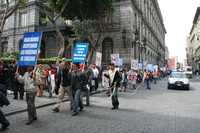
[107, 50]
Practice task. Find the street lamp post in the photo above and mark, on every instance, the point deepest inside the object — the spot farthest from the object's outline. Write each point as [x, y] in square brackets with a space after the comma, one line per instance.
[143, 50]
[124, 37]
[136, 42]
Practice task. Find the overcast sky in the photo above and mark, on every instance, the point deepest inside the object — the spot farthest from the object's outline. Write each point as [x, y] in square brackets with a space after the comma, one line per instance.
[178, 16]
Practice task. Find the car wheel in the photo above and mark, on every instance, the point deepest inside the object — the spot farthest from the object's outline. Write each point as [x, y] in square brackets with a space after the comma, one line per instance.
[188, 88]
[168, 87]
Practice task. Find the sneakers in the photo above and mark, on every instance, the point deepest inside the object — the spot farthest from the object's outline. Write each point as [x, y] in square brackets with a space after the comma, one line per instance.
[74, 113]
[29, 122]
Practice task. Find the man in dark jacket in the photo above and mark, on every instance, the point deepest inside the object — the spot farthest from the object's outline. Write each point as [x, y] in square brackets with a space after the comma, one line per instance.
[114, 79]
[65, 81]
[3, 101]
[76, 85]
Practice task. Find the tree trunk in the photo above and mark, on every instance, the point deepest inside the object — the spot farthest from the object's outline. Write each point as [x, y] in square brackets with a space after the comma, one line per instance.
[93, 48]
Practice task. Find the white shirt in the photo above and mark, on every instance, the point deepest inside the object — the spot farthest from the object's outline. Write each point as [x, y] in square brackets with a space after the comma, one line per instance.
[95, 72]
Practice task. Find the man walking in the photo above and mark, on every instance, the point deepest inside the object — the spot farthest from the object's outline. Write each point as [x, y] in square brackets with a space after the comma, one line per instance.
[29, 86]
[114, 79]
[95, 76]
[76, 90]
[65, 82]
[147, 79]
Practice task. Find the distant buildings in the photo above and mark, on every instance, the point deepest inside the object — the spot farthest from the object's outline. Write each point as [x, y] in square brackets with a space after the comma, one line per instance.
[193, 43]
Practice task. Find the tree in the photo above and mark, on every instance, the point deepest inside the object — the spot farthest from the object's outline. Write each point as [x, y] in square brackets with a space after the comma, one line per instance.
[50, 10]
[8, 7]
[88, 17]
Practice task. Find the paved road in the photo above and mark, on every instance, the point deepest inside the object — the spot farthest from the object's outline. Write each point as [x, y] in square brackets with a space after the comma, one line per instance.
[156, 111]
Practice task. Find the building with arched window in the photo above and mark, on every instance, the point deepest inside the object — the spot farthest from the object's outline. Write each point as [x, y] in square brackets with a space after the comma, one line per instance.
[135, 31]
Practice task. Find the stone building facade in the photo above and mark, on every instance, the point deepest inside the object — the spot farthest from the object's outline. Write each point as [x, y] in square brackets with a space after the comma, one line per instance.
[136, 32]
[30, 19]
[193, 43]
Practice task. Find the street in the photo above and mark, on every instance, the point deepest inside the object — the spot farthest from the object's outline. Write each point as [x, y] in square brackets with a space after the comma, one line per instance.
[156, 111]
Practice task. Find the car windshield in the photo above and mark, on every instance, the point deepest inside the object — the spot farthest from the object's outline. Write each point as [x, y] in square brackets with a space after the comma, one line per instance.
[177, 75]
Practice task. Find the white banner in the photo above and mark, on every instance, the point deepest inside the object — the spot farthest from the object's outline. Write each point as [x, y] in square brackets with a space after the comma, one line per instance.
[134, 64]
[114, 58]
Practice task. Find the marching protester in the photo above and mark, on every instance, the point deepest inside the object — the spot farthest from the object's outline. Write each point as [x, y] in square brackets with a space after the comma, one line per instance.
[132, 77]
[65, 82]
[40, 82]
[147, 79]
[115, 79]
[86, 77]
[124, 79]
[28, 79]
[12, 81]
[52, 78]
[76, 89]
[3, 101]
[95, 77]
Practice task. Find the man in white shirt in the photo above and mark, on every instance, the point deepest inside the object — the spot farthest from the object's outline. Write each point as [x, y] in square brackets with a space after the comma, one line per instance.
[95, 72]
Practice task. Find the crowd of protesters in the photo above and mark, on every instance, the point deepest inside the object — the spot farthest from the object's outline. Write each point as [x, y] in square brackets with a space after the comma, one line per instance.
[72, 79]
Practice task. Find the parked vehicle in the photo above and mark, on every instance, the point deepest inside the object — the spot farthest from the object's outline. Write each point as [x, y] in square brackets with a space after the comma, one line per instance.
[188, 71]
[178, 80]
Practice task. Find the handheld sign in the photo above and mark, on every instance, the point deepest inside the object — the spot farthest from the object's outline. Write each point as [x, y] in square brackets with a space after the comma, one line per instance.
[30, 49]
[80, 52]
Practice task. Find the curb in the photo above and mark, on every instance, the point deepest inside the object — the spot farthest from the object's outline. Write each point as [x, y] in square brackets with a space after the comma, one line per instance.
[48, 104]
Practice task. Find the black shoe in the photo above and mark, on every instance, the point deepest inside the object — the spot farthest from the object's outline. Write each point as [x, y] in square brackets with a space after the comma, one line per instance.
[113, 108]
[4, 127]
[35, 118]
[74, 113]
[55, 110]
[29, 122]
[15, 98]
[81, 108]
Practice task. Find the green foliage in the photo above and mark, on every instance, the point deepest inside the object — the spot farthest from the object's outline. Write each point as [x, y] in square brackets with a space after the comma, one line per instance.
[83, 28]
[51, 60]
[81, 9]
[23, 3]
[12, 55]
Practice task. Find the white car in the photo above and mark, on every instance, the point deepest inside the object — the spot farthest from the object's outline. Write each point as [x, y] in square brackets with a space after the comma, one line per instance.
[178, 80]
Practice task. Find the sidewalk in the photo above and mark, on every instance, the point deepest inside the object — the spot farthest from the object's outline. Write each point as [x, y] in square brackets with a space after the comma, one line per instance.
[19, 106]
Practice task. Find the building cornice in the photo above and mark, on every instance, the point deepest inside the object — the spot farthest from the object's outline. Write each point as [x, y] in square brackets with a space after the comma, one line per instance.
[196, 15]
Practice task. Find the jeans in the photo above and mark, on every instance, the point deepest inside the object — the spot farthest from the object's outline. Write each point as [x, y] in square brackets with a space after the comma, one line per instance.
[30, 99]
[3, 119]
[114, 98]
[77, 102]
[147, 82]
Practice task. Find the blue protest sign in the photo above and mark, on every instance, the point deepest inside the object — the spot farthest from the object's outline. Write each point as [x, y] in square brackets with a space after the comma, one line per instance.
[30, 49]
[80, 52]
[150, 67]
